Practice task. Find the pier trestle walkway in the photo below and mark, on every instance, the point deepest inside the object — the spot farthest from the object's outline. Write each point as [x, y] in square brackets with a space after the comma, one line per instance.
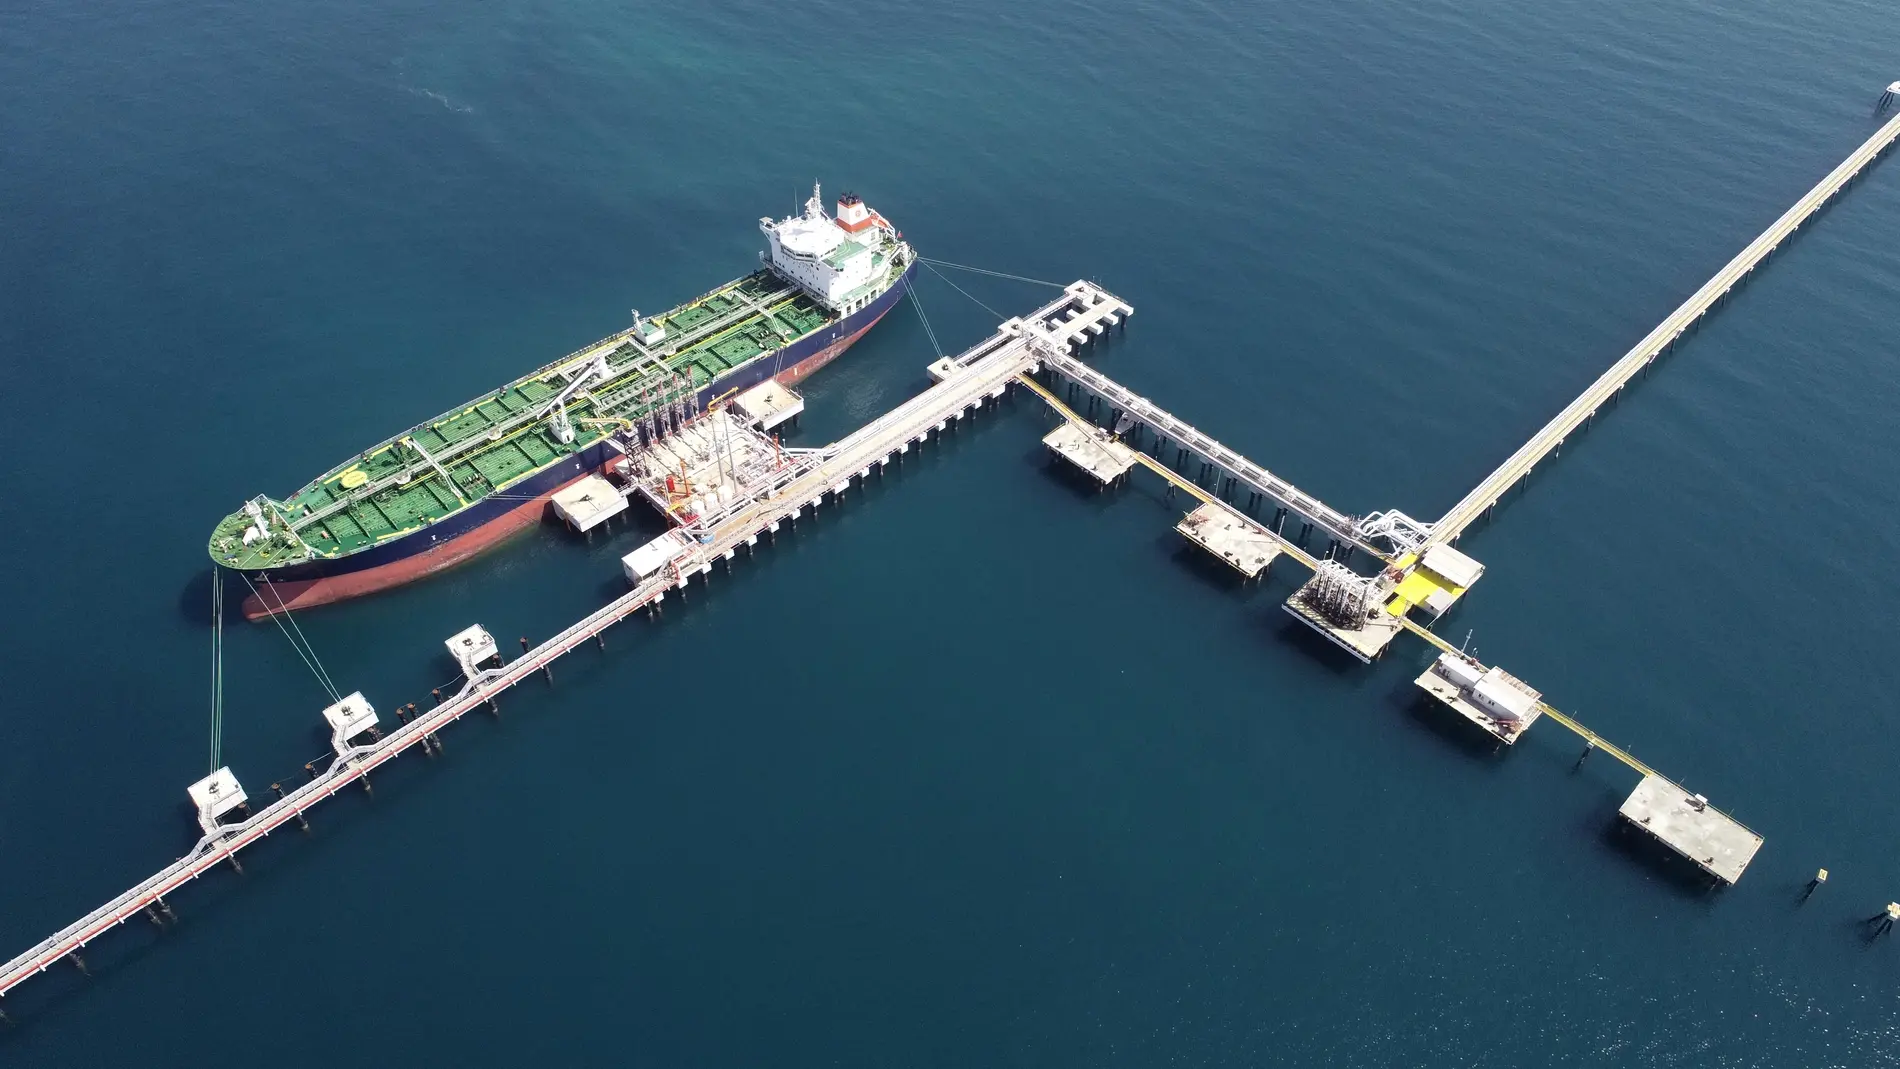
[1175, 478]
[1181, 435]
[1553, 434]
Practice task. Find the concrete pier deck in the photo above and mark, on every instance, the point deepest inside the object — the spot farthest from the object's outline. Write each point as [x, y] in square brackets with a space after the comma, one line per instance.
[1245, 546]
[769, 404]
[1717, 843]
[1091, 451]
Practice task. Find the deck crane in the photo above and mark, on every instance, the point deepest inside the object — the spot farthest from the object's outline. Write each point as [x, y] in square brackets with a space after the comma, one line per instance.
[556, 411]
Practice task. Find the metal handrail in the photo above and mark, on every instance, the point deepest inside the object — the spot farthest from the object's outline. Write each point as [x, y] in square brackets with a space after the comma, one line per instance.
[1339, 524]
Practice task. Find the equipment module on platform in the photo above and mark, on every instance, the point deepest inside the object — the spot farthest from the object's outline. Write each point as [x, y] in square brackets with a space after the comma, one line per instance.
[1348, 608]
[655, 557]
[214, 796]
[1491, 698]
[349, 717]
[708, 469]
[1717, 843]
[1435, 583]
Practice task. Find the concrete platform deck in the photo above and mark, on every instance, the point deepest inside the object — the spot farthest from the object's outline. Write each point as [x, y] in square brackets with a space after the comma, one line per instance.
[1452, 695]
[1092, 451]
[1244, 545]
[588, 503]
[1717, 843]
[1348, 608]
[769, 404]
[1365, 643]
[1089, 313]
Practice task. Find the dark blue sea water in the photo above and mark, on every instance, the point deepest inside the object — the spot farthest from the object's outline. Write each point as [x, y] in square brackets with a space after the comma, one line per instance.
[977, 770]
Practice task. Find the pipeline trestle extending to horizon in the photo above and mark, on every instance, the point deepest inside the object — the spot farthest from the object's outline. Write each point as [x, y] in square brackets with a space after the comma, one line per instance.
[1551, 437]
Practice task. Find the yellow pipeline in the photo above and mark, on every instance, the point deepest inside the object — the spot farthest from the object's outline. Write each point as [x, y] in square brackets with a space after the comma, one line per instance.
[1305, 558]
[1554, 713]
[1163, 470]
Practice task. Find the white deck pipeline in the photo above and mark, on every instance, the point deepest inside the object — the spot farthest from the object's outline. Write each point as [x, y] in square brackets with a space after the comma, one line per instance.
[1251, 475]
[987, 374]
[1552, 436]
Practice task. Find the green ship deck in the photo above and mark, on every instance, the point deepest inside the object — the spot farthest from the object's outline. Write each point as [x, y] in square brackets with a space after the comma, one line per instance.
[437, 468]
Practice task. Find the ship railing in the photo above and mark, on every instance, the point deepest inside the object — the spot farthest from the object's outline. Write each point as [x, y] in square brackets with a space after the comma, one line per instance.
[698, 332]
[438, 461]
[455, 450]
[627, 335]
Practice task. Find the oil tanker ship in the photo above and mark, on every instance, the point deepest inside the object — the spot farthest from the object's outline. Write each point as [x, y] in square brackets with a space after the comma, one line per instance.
[443, 491]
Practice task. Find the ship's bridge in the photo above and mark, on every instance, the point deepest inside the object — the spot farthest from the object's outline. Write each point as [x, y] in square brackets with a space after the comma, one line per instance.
[807, 237]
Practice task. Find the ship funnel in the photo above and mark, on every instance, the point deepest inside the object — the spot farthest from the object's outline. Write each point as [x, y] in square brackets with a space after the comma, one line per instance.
[853, 215]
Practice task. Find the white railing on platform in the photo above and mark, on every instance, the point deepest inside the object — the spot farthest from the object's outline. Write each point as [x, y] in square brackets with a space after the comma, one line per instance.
[1336, 523]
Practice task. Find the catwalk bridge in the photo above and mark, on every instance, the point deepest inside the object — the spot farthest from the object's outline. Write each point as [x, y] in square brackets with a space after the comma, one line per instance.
[1399, 548]
[1551, 437]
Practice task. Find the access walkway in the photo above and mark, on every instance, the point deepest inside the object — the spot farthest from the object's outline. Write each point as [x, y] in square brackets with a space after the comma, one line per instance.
[1183, 436]
[1552, 436]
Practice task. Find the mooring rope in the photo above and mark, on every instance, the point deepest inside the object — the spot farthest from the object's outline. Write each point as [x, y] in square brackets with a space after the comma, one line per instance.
[986, 271]
[309, 659]
[918, 302]
[322, 672]
[292, 620]
[999, 316]
[217, 668]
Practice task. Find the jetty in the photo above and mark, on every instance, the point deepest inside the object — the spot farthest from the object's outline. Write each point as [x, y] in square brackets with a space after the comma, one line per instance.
[1550, 438]
[1376, 575]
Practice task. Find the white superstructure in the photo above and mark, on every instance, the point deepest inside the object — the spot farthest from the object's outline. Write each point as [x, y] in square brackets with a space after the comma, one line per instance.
[840, 262]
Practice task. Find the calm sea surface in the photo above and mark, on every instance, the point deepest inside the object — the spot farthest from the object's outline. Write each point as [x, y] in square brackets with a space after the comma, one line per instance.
[979, 769]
